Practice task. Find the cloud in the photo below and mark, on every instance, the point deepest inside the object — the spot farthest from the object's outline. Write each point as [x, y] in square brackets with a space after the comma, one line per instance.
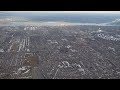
[99, 12]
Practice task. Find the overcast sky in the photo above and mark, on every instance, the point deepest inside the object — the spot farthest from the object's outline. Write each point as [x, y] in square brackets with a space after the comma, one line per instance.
[100, 12]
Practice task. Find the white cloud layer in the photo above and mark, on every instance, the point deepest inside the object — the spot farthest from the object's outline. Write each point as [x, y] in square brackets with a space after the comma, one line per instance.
[100, 12]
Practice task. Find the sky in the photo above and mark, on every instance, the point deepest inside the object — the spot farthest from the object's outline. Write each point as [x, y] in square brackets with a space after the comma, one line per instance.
[99, 12]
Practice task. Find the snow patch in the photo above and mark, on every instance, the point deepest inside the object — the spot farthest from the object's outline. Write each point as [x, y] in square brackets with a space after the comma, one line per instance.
[69, 46]
[53, 41]
[28, 50]
[24, 68]
[64, 39]
[1, 50]
[73, 50]
[110, 48]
